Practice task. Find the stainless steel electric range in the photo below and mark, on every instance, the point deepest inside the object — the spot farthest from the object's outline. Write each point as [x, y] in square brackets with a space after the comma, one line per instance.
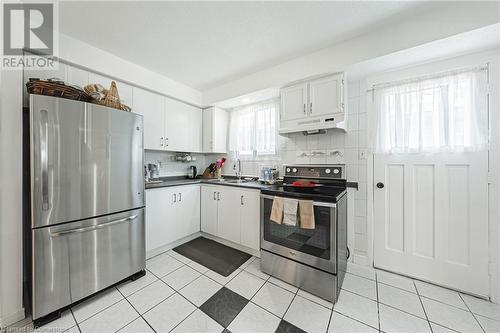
[312, 259]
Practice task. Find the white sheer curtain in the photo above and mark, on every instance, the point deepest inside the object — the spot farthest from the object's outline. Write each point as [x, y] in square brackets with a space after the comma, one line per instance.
[252, 129]
[447, 113]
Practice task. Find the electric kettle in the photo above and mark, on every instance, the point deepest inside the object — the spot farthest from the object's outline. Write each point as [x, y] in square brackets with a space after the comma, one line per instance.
[192, 172]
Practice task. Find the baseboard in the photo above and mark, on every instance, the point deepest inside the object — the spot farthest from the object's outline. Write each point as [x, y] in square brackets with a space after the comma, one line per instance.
[167, 247]
[231, 244]
[12, 318]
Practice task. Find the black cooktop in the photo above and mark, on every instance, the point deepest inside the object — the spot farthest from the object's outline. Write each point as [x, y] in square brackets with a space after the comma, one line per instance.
[324, 193]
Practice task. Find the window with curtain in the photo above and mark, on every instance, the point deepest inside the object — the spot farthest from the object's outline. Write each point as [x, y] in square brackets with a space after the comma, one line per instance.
[252, 129]
[445, 113]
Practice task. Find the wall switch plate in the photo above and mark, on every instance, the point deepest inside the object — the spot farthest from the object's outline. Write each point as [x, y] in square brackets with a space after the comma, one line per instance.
[363, 154]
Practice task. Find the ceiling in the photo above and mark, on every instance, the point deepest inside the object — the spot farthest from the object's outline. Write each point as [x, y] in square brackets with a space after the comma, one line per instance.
[205, 44]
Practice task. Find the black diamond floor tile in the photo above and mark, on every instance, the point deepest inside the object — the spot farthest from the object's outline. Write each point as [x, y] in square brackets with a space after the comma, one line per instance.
[286, 327]
[224, 306]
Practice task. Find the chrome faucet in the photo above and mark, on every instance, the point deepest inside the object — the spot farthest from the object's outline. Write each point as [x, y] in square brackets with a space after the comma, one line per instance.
[237, 168]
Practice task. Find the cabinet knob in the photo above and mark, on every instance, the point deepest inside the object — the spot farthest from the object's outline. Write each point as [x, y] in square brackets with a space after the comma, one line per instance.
[380, 185]
[241, 200]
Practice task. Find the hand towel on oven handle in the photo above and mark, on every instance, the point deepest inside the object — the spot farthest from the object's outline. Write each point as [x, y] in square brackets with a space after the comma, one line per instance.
[277, 210]
[290, 211]
[306, 212]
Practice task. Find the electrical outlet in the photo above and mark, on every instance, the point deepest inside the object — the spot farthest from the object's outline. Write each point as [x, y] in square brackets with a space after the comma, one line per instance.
[362, 154]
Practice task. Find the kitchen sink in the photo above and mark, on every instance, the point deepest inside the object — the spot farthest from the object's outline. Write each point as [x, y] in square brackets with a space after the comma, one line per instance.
[237, 181]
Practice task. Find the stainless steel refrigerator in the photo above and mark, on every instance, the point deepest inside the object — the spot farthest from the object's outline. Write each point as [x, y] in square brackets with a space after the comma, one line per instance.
[86, 192]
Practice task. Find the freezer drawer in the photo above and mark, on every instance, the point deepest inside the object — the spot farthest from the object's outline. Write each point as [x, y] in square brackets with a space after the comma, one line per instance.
[74, 260]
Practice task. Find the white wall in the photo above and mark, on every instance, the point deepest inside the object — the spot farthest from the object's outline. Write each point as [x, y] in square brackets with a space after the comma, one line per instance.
[11, 270]
[450, 19]
[87, 56]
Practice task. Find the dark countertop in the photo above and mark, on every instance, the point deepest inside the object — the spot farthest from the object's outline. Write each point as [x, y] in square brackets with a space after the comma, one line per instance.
[181, 180]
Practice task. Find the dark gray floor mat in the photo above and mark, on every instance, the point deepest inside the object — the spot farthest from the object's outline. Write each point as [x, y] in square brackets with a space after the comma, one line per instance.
[218, 257]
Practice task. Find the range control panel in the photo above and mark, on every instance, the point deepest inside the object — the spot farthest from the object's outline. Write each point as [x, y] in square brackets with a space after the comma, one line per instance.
[333, 171]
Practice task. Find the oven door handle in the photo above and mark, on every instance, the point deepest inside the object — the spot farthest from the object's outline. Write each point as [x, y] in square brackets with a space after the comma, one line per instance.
[315, 203]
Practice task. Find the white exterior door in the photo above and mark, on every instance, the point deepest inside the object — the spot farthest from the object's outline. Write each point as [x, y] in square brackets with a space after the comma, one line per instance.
[431, 218]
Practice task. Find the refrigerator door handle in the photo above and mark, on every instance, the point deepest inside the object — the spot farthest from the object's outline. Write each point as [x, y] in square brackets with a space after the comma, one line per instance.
[44, 157]
[93, 227]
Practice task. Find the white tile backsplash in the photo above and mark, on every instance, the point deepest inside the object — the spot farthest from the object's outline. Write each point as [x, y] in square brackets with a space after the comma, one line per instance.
[173, 168]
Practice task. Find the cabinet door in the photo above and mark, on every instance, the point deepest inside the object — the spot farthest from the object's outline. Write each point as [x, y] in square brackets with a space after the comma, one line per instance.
[228, 222]
[325, 96]
[250, 219]
[220, 128]
[293, 102]
[188, 210]
[150, 106]
[209, 210]
[183, 126]
[160, 217]
[207, 120]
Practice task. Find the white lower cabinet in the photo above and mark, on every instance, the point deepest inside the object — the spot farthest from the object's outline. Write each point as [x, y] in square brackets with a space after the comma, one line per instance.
[209, 209]
[228, 214]
[250, 219]
[231, 213]
[171, 214]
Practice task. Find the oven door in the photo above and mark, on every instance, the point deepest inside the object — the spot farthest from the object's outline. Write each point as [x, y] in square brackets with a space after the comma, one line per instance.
[314, 247]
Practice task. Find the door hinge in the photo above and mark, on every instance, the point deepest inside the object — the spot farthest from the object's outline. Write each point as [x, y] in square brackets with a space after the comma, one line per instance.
[488, 89]
[489, 178]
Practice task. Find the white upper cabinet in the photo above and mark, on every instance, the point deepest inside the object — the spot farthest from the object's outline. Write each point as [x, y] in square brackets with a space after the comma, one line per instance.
[293, 102]
[183, 126]
[313, 104]
[325, 96]
[150, 106]
[168, 124]
[215, 126]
